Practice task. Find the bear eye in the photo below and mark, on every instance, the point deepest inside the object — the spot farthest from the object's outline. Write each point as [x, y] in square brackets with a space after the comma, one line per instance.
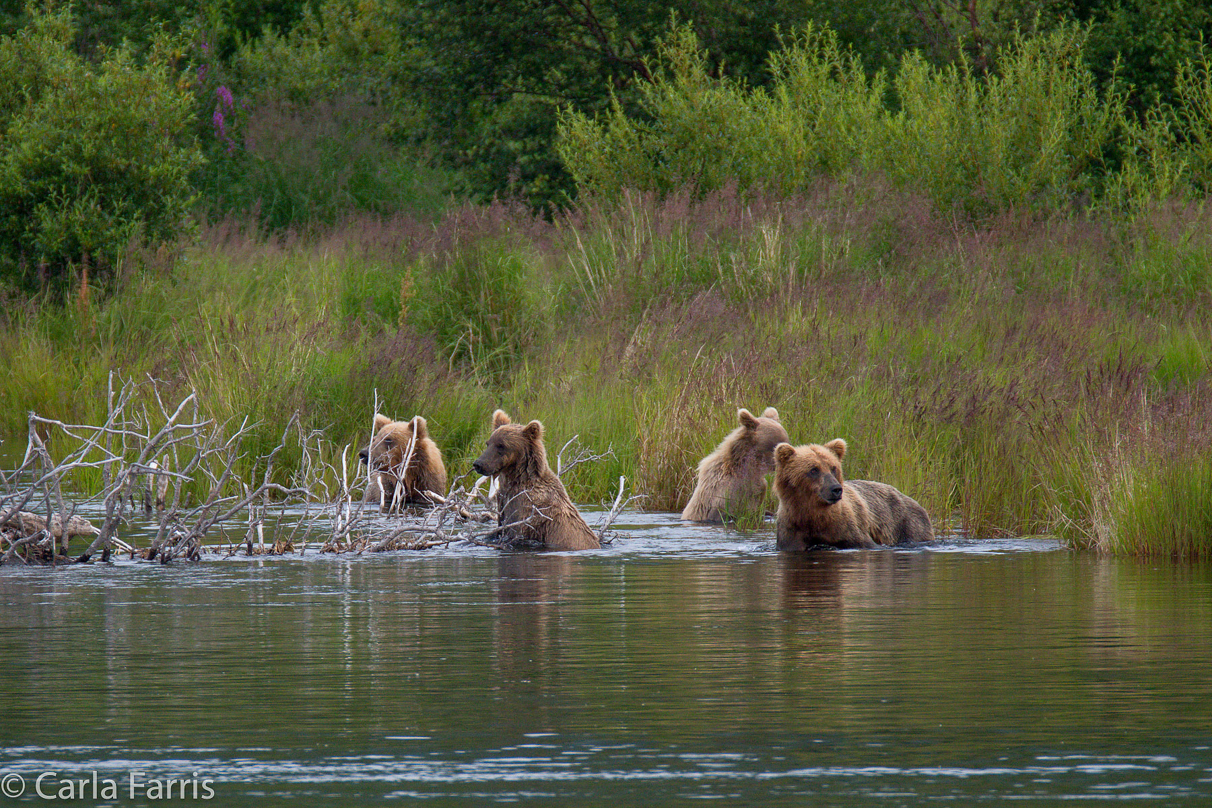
[388, 442]
[836, 472]
[814, 472]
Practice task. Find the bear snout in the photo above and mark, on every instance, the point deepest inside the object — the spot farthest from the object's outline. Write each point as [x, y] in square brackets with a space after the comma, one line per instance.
[364, 455]
[830, 492]
[480, 469]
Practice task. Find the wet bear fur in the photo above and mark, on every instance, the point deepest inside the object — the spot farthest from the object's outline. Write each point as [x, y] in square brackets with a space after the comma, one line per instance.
[385, 458]
[731, 481]
[529, 491]
[817, 506]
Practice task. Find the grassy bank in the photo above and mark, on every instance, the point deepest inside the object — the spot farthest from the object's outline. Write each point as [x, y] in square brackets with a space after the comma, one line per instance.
[1024, 377]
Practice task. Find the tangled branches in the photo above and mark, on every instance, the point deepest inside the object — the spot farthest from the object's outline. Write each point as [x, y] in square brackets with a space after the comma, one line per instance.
[179, 477]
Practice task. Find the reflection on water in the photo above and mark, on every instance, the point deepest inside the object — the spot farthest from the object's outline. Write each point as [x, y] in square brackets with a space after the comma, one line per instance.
[682, 662]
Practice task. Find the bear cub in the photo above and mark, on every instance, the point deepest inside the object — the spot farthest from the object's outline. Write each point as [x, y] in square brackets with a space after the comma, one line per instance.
[534, 507]
[404, 463]
[731, 481]
[818, 507]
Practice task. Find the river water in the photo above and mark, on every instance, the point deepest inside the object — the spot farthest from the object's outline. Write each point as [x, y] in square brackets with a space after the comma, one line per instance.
[682, 663]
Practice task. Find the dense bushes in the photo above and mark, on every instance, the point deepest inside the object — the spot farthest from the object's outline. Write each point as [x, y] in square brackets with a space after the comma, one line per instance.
[493, 76]
[333, 110]
[306, 127]
[1036, 135]
[94, 157]
[477, 88]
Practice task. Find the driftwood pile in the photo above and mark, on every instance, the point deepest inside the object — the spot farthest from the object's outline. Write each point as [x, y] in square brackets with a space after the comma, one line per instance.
[193, 478]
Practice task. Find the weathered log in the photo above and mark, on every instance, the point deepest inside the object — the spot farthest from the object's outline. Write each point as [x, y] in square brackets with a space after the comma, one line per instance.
[28, 524]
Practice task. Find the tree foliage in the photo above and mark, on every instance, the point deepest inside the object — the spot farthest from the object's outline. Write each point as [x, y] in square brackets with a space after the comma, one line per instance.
[308, 108]
[1141, 46]
[102, 24]
[94, 156]
[493, 76]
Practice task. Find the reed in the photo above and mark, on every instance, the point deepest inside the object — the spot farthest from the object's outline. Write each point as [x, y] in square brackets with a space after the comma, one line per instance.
[1154, 507]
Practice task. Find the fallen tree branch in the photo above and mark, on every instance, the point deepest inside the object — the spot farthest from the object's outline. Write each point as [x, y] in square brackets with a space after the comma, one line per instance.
[199, 479]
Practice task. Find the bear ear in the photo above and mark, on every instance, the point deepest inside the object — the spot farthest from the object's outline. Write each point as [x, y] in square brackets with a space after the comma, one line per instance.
[838, 447]
[746, 418]
[500, 418]
[783, 453]
[381, 421]
[771, 413]
[419, 427]
[533, 431]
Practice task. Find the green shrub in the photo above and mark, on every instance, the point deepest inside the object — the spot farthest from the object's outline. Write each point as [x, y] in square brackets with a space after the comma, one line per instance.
[822, 112]
[1168, 153]
[307, 127]
[691, 128]
[1030, 137]
[94, 157]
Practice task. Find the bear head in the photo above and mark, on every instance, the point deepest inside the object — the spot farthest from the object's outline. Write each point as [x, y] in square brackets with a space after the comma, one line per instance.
[762, 434]
[389, 449]
[811, 475]
[510, 445]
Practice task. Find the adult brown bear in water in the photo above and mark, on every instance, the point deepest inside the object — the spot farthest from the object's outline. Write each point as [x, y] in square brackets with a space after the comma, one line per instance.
[534, 506]
[731, 481]
[818, 507]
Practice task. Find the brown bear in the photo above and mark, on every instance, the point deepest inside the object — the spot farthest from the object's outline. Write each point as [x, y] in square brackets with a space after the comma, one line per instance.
[404, 463]
[534, 506]
[818, 507]
[731, 480]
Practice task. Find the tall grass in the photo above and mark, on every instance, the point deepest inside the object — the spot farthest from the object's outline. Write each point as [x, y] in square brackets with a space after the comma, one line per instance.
[1013, 377]
[1163, 508]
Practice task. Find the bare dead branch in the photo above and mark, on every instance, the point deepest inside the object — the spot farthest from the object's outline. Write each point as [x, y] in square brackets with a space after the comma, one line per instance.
[580, 454]
[199, 478]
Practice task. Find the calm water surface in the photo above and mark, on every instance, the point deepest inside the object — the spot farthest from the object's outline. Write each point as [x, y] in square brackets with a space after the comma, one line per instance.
[682, 663]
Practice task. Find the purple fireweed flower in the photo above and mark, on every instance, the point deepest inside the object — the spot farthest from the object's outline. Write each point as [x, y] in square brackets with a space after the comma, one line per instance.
[219, 119]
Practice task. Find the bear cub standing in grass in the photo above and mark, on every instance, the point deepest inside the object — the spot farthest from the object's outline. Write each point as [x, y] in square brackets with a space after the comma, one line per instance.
[817, 507]
[731, 481]
[529, 491]
[398, 478]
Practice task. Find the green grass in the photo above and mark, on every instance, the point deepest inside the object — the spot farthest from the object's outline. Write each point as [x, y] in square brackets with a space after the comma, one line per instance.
[1011, 377]
[1158, 506]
